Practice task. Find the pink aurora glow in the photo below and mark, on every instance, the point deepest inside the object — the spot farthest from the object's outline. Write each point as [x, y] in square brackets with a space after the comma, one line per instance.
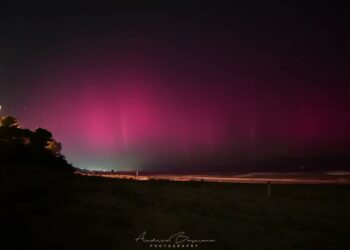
[99, 116]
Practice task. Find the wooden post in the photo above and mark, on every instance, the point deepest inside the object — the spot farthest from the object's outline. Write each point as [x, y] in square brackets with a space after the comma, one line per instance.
[268, 195]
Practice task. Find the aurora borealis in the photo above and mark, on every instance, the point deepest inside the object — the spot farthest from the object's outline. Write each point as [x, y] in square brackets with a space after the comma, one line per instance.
[125, 86]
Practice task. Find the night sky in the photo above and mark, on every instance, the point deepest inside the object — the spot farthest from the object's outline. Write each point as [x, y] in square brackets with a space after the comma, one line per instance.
[167, 85]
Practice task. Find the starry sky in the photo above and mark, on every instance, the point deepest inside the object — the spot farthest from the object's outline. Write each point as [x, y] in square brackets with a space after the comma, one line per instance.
[180, 85]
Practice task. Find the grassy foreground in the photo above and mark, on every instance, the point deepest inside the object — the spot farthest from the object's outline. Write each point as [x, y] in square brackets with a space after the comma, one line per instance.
[58, 211]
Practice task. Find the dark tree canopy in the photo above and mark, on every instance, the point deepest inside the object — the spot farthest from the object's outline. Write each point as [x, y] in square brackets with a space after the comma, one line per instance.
[8, 121]
[41, 137]
[27, 146]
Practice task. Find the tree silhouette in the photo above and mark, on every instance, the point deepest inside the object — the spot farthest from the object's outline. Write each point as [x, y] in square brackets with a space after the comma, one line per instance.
[17, 144]
[41, 137]
[9, 122]
[54, 147]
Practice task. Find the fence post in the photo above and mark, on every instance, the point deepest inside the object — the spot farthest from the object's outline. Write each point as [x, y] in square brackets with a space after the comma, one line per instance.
[268, 195]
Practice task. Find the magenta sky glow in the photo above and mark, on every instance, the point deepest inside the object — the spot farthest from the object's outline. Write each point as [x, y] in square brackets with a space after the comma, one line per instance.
[175, 85]
[124, 118]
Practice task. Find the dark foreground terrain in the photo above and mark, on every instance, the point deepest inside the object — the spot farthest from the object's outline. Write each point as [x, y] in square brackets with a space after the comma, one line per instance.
[48, 209]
